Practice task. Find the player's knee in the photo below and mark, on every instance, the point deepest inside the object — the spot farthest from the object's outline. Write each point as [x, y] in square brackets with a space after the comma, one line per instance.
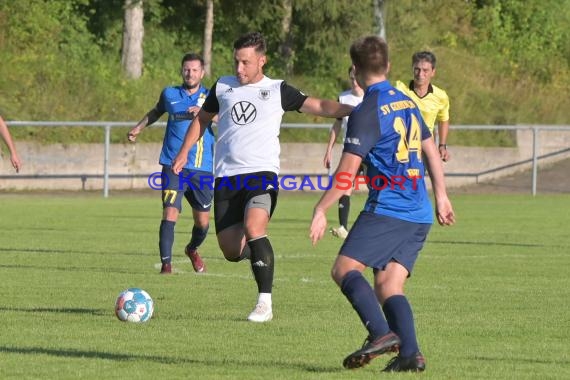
[231, 254]
[202, 224]
[336, 275]
[233, 259]
[170, 213]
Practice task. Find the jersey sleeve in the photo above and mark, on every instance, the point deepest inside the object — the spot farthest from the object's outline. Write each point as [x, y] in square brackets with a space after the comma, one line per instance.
[401, 86]
[291, 98]
[443, 114]
[211, 104]
[160, 105]
[363, 129]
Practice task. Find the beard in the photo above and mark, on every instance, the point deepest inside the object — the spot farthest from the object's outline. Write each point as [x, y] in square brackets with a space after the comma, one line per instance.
[190, 86]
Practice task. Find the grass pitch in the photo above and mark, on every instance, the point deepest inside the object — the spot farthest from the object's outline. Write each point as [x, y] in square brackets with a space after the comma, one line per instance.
[489, 294]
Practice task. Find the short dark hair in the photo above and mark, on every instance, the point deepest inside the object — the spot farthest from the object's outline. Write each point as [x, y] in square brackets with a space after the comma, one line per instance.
[370, 54]
[424, 56]
[192, 57]
[252, 39]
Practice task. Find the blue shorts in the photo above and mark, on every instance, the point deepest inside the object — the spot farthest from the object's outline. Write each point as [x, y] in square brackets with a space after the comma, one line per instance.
[196, 186]
[375, 240]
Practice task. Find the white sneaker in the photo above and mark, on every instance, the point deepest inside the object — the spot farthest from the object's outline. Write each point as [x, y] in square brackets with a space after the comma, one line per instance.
[339, 232]
[261, 313]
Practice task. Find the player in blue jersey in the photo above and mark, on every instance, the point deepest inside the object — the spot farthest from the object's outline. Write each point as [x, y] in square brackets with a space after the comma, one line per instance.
[182, 103]
[250, 107]
[387, 133]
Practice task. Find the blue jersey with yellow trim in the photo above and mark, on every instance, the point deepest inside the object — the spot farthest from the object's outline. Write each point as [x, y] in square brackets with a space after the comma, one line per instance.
[387, 130]
[176, 101]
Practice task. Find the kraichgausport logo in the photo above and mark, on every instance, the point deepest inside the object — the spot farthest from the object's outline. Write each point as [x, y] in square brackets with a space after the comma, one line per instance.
[159, 181]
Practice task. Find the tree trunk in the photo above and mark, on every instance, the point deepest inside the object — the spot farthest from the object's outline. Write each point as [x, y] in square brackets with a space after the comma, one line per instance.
[208, 31]
[133, 33]
[286, 47]
[380, 17]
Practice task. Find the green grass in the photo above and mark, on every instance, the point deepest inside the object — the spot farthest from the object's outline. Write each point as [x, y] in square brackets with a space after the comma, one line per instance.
[489, 295]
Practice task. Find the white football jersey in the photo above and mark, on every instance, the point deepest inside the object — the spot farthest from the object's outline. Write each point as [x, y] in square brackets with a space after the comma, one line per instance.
[347, 97]
[249, 120]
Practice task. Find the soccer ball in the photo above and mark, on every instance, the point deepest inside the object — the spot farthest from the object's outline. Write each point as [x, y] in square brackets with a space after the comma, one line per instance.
[134, 305]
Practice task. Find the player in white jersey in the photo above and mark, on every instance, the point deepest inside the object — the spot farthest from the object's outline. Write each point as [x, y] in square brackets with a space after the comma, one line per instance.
[353, 97]
[250, 107]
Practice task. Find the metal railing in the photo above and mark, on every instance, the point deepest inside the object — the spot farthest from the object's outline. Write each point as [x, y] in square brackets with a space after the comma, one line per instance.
[108, 125]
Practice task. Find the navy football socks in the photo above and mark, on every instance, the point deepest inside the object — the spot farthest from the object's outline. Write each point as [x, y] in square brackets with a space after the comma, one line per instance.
[362, 298]
[165, 240]
[401, 321]
[198, 237]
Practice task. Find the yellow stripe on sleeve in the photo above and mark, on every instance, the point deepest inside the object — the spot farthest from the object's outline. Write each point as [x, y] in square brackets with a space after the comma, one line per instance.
[199, 152]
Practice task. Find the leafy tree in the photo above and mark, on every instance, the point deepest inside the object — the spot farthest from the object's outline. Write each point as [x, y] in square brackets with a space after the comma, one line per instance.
[532, 35]
[61, 59]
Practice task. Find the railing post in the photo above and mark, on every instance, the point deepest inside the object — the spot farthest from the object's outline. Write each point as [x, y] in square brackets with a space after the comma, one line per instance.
[106, 161]
[534, 158]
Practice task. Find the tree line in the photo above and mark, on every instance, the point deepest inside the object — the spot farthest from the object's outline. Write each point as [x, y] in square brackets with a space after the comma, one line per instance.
[75, 59]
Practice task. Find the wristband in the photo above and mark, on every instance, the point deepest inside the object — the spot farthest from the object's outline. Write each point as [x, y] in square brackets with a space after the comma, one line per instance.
[443, 146]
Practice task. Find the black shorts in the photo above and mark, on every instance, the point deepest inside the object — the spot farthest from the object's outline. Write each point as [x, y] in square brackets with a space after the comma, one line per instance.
[195, 186]
[231, 195]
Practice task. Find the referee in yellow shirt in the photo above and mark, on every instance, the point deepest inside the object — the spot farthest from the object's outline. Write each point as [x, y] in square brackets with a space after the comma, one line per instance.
[432, 101]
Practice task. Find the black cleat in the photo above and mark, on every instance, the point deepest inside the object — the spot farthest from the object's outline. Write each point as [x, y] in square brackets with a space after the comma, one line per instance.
[371, 349]
[414, 363]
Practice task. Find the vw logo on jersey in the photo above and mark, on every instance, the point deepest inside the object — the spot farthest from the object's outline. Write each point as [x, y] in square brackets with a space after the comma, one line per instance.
[243, 113]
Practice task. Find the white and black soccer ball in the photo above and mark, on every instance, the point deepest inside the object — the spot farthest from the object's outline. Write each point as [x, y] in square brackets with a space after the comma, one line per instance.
[134, 305]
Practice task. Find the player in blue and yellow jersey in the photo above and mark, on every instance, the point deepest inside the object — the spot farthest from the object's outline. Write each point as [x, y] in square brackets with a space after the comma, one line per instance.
[387, 132]
[432, 100]
[182, 103]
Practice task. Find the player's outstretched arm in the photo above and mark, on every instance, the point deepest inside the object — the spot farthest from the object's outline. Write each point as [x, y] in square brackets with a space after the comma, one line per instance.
[195, 131]
[325, 108]
[443, 208]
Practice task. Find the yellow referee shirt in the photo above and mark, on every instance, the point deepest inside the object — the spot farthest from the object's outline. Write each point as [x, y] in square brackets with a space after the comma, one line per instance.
[434, 106]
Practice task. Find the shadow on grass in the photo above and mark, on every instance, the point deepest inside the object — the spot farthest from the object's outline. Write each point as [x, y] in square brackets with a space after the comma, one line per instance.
[65, 310]
[39, 250]
[518, 360]
[490, 243]
[65, 251]
[106, 270]
[72, 353]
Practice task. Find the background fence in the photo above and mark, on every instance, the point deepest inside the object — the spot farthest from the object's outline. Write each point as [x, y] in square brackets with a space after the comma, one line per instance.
[127, 166]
